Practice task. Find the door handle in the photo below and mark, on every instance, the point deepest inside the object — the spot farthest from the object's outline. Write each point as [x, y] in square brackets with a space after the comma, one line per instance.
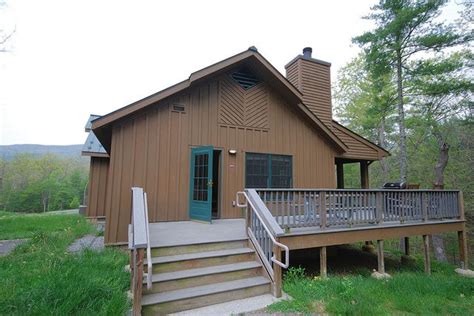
[209, 183]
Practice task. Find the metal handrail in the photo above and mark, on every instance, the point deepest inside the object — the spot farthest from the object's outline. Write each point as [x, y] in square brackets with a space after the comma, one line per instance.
[287, 250]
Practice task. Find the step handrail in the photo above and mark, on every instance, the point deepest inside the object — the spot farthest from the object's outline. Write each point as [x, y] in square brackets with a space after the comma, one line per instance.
[270, 234]
[138, 241]
[149, 264]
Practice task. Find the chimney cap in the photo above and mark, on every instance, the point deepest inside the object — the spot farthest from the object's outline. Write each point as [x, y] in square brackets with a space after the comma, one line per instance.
[307, 51]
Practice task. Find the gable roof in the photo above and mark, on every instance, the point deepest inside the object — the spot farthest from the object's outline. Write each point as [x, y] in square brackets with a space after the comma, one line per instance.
[102, 126]
[92, 147]
[358, 147]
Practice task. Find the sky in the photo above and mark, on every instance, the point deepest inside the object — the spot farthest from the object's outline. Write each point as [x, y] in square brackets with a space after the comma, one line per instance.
[68, 59]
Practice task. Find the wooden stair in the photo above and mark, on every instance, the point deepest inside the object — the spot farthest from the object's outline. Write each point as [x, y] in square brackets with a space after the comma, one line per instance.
[192, 276]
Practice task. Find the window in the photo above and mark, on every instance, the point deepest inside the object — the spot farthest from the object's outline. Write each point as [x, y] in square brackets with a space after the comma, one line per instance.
[200, 177]
[268, 171]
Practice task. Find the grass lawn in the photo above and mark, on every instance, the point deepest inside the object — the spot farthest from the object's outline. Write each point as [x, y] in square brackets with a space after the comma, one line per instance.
[17, 225]
[409, 291]
[41, 278]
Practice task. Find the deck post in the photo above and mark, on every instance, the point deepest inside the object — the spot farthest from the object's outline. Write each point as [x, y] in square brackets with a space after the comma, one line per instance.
[426, 252]
[461, 206]
[379, 207]
[322, 209]
[407, 246]
[463, 255]
[323, 262]
[424, 206]
[340, 174]
[364, 174]
[138, 282]
[380, 257]
[277, 271]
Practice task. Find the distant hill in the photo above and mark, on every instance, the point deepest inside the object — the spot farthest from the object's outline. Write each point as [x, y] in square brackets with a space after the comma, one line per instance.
[7, 152]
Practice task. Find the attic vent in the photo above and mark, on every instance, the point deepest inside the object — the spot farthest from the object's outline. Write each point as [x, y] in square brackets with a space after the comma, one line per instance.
[245, 79]
[178, 108]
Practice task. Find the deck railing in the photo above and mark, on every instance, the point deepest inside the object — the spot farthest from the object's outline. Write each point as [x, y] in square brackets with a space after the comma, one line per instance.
[346, 208]
[138, 243]
[263, 232]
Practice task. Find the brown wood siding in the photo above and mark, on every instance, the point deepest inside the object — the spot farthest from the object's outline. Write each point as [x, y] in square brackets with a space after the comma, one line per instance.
[152, 150]
[97, 187]
[313, 79]
[292, 73]
[356, 148]
[316, 88]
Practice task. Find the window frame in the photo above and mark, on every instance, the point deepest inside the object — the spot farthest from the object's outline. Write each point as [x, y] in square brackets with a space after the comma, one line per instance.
[269, 159]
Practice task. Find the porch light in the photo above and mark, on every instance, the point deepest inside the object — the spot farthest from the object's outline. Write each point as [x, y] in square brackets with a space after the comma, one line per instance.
[232, 151]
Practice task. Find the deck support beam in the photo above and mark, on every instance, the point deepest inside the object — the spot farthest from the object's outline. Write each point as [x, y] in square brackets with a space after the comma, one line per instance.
[323, 262]
[380, 257]
[463, 256]
[277, 272]
[426, 253]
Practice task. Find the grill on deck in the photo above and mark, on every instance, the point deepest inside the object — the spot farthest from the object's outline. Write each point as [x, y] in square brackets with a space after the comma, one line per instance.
[395, 185]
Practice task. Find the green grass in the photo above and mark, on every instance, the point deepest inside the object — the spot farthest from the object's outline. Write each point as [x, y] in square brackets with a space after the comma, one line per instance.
[15, 226]
[407, 292]
[41, 278]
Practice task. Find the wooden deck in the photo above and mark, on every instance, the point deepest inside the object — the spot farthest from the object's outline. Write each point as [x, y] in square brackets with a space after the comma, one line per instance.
[170, 234]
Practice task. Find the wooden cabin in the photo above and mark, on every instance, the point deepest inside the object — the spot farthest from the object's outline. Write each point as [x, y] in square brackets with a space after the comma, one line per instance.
[253, 126]
[228, 146]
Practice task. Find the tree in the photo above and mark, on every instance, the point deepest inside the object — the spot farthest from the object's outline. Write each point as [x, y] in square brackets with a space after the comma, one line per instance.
[441, 91]
[365, 98]
[404, 29]
[46, 183]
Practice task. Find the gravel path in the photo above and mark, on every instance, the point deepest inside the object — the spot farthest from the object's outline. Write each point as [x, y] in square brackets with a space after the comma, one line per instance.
[7, 246]
[87, 242]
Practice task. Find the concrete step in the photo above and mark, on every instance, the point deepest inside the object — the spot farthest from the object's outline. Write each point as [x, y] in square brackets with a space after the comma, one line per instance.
[194, 297]
[201, 259]
[170, 281]
[199, 247]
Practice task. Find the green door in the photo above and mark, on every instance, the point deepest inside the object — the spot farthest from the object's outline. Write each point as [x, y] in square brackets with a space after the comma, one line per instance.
[200, 191]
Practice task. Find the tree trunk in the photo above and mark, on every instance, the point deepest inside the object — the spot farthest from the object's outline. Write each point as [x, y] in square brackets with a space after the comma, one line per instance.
[381, 139]
[441, 164]
[401, 120]
[438, 240]
[401, 128]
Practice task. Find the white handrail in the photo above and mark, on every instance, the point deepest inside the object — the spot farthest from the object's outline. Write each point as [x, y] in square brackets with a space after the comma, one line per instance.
[149, 274]
[287, 250]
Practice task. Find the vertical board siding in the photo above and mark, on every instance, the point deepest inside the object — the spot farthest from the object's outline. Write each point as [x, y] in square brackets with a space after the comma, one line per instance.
[97, 187]
[152, 150]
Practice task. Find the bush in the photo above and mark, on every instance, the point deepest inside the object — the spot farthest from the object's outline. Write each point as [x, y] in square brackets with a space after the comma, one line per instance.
[74, 203]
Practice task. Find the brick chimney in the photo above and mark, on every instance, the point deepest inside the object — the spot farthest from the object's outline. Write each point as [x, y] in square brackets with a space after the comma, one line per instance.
[313, 78]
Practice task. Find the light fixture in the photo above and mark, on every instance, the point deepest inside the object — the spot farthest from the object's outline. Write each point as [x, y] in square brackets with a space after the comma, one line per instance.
[232, 151]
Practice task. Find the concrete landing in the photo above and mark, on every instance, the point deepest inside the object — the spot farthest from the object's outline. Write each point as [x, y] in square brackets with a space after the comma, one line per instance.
[167, 234]
[236, 307]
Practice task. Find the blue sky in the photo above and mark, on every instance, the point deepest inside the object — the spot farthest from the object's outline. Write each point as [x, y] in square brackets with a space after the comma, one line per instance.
[68, 59]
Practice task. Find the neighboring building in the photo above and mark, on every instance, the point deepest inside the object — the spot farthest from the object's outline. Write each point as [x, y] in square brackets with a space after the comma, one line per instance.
[99, 165]
[237, 123]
